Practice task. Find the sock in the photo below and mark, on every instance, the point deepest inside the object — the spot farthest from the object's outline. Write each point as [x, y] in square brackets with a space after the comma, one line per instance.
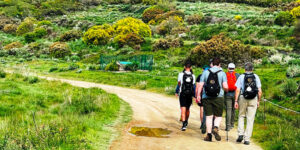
[209, 123]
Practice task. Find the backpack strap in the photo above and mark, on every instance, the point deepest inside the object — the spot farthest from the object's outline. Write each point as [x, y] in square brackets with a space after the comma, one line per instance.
[214, 72]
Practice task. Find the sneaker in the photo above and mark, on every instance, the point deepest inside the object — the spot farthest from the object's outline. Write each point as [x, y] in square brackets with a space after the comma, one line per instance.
[247, 143]
[203, 130]
[228, 128]
[208, 137]
[184, 125]
[183, 128]
[215, 132]
[240, 139]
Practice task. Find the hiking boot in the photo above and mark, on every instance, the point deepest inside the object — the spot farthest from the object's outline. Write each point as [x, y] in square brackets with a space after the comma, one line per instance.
[184, 125]
[240, 139]
[183, 128]
[203, 130]
[215, 132]
[247, 143]
[208, 137]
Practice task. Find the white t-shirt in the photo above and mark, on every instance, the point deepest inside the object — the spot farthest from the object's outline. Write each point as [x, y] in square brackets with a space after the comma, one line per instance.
[180, 78]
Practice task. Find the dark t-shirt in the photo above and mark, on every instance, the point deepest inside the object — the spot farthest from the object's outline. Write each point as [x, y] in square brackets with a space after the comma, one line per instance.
[198, 78]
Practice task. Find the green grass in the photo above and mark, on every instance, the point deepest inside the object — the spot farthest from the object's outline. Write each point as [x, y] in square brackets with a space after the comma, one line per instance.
[46, 115]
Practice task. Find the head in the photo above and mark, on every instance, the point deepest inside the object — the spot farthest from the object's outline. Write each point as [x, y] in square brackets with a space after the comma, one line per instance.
[188, 65]
[249, 67]
[211, 63]
[216, 62]
[231, 67]
[205, 67]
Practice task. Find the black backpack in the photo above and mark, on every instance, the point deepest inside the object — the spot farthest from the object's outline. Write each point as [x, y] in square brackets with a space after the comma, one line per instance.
[250, 87]
[187, 85]
[212, 86]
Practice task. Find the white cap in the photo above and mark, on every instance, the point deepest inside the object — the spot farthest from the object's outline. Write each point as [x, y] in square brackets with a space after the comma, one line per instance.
[231, 65]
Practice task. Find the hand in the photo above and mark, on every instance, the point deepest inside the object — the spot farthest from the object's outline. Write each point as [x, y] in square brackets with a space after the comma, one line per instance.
[198, 99]
[236, 105]
[257, 104]
[176, 94]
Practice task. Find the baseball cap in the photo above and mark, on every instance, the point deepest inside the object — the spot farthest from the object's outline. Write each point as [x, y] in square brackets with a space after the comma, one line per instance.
[231, 66]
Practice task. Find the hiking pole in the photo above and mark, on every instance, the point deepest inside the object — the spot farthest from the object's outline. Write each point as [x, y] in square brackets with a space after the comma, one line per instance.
[264, 117]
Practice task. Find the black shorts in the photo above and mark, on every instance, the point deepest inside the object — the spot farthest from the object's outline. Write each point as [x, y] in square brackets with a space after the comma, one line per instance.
[213, 106]
[185, 101]
[200, 104]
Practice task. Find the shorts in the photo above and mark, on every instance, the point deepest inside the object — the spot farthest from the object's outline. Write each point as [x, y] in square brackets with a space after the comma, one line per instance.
[185, 101]
[200, 104]
[213, 106]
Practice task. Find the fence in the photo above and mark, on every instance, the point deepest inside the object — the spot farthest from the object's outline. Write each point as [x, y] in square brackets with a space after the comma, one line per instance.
[145, 61]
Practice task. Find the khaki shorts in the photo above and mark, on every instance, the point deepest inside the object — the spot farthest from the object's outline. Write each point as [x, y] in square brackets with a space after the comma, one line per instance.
[213, 106]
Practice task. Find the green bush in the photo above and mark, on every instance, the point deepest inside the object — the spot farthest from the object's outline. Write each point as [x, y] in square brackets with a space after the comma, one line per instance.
[26, 26]
[2, 74]
[290, 87]
[284, 18]
[166, 26]
[113, 66]
[59, 50]
[44, 23]
[134, 66]
[293, 71]
[31, 79]
[73, 67]
[195, 19]
[70, 35]
[52, 69]
[149, 2]
[151, 13]
[36, 34]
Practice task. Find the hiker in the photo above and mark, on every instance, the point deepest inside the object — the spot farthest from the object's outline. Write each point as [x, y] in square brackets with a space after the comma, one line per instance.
[202, 114]
[232, 77]
[213, 82]
[249, 86]
[186, 91]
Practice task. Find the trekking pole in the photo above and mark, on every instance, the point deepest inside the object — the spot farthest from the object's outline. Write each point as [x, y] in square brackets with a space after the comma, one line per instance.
[264, 117]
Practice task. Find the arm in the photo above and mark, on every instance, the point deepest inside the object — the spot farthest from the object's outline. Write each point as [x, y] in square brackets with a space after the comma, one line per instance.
[199, 90]
[177, 89]
[259, 96]
[236, 97]
[225, 86]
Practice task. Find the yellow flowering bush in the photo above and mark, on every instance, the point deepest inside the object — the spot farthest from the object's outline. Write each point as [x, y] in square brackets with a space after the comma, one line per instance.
[26, 26]
[131, 25]
[98, 35]
[296, 12]
[238, 17]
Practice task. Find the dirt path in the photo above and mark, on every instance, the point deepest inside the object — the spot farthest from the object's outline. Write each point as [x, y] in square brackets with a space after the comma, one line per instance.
[155, 110]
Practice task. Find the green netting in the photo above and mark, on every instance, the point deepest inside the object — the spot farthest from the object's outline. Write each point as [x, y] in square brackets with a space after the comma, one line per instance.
[145, 61]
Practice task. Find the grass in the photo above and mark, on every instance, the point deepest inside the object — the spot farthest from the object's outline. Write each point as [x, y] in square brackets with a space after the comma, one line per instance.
[55, 115]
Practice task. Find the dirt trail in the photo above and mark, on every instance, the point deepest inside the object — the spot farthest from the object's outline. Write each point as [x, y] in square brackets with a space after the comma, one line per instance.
[159, 111]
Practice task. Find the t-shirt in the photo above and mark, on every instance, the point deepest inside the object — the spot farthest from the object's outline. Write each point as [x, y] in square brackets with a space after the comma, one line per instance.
[233, 93]
[240, 83]
[180, 78]
[221, 77]
[198, 78]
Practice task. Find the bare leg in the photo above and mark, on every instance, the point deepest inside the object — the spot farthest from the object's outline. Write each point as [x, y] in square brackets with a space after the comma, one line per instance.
[183, 113]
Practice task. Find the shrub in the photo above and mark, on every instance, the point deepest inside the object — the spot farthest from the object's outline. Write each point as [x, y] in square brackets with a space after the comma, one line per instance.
[151, 13]
[70, 35]
[131, 25]
[149, 2]
[4, 21]
[131, 40]
[44, 23]
[238, 17]
[284, 18]
[226, 48]
[31, 79]
[161, 44]
[73, 67]
[59, 50]
[175, 43]
[26, 26]
[52, 69]
[276, 58]
[195, 19]
[2, 74]
[167, 25]
[10, 28]
[13, 45]
[161, 17]
[36, 34]
[134, 66]
[290, 87]
[179, 30]
[296, 12]
[293, 71]
[113, 66]
[98, 35]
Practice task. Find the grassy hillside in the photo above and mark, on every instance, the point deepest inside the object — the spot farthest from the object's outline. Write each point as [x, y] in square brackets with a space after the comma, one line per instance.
[39, 114]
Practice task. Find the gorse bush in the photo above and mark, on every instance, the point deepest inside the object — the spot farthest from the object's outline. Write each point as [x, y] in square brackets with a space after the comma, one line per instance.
[70, 35]
[26, 26]
[131, 40]
[161, 17]
[98, 35]
[59, 50]
[290, 87]
[167, 25]
[44, 23]
[13, 45]
[195, 19]
[151, 13]
[296, 12]
[10, 28]
[226, 48]
[285, 18]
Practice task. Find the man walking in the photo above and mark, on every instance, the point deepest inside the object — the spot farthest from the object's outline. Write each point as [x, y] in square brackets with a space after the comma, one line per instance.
[186, 91]
[249, 85]
[232, 77]
[215, 83]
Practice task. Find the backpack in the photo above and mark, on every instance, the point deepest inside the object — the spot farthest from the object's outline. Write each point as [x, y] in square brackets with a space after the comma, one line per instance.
[231, 80]
[187, 85]
[250, 87]
[212, 86]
